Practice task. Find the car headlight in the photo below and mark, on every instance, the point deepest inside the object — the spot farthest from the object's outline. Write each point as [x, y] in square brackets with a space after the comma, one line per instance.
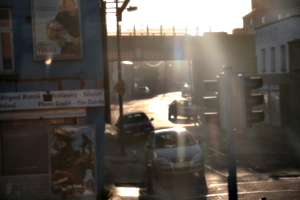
[162, 159]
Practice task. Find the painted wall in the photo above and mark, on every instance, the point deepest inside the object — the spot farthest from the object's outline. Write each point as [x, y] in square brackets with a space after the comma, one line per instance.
[68, 74]
[90, 66]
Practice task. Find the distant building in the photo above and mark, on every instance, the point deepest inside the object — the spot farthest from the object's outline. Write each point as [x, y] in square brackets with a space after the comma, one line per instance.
[214, 50]
[269, 11]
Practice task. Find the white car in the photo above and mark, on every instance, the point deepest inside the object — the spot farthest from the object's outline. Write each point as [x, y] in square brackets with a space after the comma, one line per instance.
[183, 108]
[174, 151]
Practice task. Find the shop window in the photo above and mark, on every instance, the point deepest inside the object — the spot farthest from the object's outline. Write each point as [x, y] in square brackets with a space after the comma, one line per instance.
[24, 148]
[273, 60]
[24, 145]
[283, 58]
[263, 60]
[6, 51]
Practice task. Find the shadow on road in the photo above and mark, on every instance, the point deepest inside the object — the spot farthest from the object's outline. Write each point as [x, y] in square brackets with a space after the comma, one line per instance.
[184, 185]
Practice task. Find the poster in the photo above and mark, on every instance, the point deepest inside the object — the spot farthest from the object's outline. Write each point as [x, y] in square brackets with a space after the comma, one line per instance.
[56, 29]
[72, 160]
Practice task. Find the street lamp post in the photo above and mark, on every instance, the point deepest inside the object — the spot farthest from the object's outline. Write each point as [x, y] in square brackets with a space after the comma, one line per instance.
[119, 18]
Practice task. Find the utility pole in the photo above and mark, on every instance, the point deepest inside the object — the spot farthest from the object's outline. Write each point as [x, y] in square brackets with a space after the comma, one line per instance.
[119, 18]
[119, 11]
[107, 115]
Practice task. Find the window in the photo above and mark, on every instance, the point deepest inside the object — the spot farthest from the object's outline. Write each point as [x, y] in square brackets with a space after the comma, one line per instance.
[263, 60]
[263, 19]
[251, 22]
[283, 58]
[273, 61]
[287, 14]
[6, 51]
[296, 58]
[279, 16]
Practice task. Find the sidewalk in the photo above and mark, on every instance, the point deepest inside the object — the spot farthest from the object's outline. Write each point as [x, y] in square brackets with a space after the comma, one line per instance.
[281, 135]
[123, 173]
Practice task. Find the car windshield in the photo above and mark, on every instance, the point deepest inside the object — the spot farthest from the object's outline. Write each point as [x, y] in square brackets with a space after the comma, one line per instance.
[174, 139]
[185, 103]
[135, 118]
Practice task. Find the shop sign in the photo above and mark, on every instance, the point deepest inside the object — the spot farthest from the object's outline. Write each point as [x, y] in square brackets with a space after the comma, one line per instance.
[51, 99]
[72, 160]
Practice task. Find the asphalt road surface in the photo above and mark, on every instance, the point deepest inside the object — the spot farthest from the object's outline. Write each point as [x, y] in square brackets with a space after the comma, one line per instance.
[264, 167]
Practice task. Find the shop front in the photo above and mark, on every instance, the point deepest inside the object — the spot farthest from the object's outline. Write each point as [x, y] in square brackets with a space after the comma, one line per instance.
[47, 145]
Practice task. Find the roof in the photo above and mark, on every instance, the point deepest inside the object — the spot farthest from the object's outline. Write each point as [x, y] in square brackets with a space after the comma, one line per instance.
[132, 113]
[175, 129]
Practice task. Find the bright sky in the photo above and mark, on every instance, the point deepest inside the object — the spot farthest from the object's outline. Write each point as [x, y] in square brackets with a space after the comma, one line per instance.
[214, 15]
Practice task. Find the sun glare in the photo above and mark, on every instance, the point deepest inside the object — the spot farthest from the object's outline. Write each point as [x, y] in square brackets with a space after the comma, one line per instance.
[208, 15]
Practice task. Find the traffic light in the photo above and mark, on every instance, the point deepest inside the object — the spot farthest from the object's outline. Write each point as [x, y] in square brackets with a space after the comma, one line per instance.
[248, 100]
[212, 103]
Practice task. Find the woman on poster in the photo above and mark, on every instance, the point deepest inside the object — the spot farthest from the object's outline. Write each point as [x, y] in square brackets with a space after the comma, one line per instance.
[65, 28]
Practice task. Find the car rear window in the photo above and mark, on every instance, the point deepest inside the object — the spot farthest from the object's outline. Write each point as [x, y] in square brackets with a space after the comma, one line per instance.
[185, 103]
[135, 118]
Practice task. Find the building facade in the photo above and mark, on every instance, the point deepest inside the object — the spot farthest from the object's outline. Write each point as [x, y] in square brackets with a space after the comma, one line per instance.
[275, 24]
[51, 99]
[277, 58]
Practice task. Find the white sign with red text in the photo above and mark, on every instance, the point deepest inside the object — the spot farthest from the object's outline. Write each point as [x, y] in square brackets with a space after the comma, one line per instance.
[51, 99]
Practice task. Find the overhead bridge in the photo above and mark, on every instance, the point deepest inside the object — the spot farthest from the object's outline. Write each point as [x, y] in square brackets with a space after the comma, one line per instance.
[180, 47]
[142, 48]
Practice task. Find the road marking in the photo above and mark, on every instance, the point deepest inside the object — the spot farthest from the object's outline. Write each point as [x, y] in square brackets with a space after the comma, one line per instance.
[241, 193]
[210, 168]
[217, 152]
[288, 177]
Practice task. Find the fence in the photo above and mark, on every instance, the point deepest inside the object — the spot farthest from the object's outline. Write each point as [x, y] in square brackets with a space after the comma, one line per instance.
[173, 31]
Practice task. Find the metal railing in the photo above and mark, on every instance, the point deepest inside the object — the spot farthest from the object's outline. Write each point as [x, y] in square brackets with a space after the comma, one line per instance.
[173, 31]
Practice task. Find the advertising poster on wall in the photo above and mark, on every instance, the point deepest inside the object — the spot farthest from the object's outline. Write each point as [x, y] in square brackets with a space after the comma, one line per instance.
[72, 160]
[56, 29]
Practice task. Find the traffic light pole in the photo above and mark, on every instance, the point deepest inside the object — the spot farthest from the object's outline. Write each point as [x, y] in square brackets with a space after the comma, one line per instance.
[233, 110]
[227, 100]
